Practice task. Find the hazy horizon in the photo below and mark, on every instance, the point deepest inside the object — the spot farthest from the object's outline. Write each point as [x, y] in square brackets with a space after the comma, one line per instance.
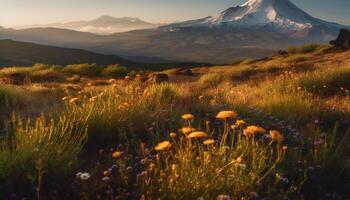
[156, 11]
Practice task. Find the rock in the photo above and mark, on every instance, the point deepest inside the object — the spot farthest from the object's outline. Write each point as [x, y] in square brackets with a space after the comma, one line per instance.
[187, 72]
[343, 40]
[282, 52]
[160, 78]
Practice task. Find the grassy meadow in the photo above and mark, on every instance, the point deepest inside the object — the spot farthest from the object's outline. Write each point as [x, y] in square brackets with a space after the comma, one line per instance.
[273, 128]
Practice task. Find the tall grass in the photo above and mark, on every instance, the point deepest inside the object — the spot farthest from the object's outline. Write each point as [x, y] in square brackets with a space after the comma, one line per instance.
[40, 151]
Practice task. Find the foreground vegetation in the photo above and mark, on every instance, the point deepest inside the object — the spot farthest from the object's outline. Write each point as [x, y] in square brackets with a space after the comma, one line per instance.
[275, 129]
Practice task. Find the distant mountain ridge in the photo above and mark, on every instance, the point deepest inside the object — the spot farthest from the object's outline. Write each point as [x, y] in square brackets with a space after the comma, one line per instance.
[102, 25]
[257, 28]
[15, 53]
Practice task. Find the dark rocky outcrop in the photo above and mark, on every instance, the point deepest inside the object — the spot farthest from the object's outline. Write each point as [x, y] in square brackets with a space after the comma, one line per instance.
[343, 40]
[159, 78]
[282, 52]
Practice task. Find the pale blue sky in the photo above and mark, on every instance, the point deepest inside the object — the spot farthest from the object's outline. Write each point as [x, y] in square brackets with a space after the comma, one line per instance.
[23, 12]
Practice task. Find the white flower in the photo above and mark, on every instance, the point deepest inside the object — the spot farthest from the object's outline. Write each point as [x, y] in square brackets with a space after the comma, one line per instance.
[84, 176]
[223, 197]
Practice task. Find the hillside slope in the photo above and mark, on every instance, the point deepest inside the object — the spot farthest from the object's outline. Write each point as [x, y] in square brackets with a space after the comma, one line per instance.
[21, 53]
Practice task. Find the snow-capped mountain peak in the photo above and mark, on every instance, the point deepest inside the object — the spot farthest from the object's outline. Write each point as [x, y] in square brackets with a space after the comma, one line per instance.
[281, 14]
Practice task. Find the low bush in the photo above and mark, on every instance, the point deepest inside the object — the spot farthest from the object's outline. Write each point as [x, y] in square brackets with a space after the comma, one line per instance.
[115, 71]
[89, 70]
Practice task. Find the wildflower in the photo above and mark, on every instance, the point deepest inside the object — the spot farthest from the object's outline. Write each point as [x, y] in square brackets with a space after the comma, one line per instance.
[65, 98]
[226, 114]
[285, 181]
[93, 99]
[188, 117]
[234, 126]
[84, 176]
[276, 136]
[251, 130]
[105, 179]
[253, 196]
[129, 169]
[112, 80]
[117, 154]
[223, 197]
[89, 84]
[285, 148]
[78, 174]
[74, 100]
[172, 135]
[197, 134]
[127, 78]
[239, 123]
[209, 142]
[187, 130]
[163, 146]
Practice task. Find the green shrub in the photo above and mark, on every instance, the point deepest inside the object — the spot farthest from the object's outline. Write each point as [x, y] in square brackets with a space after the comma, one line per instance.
[303, 49]
[211, 80]
[90, 70]
[114, 71]
[36, 73]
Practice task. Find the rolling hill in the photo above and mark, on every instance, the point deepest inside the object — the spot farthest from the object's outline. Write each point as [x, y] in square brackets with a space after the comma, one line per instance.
[15, 53]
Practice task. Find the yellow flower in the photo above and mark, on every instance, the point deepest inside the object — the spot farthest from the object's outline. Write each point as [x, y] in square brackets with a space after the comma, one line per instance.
[250, 130]
[226, 114]
[276, 136]
[112, 80]
[209, 142]
[74, 100]
[93, 99]
[188, 117]
[197, 134]
[163, 146]
[117, 154]
[240, 122]
[234, 126]
[187, 130]
[172, 135]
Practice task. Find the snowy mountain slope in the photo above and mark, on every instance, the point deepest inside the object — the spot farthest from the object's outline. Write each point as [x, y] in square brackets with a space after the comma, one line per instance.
[279, 14]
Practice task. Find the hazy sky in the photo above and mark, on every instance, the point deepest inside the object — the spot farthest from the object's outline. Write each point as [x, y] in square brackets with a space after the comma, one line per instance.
[24, 12]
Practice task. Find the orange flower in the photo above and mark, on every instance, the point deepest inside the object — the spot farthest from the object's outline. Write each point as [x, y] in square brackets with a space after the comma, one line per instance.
[187, 130]
[197, 134]
[117, 154]
[209, 142]
[188, 117]
[74, 100]
[163, 146]
[226, 114]
[251, 130]
[276, 136]
[172, 135]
